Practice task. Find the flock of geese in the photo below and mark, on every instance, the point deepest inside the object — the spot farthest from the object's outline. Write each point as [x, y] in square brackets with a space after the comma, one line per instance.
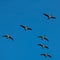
[45, 38]
[7, 36]
[44, 46]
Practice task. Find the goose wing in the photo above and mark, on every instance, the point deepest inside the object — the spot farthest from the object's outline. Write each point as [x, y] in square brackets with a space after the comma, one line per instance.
[53, 17]
[29, 28]
[46, 47]
[22, 26]
[4, 36]
[11, 38]
[40, 44]
[46, 38]
[40, 37]
[49, 56]
[42, 54]
[46, 15]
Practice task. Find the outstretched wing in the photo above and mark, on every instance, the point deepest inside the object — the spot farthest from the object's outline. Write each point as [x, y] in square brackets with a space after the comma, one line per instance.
[42, 54]
[46, 15]
[29, 28]
[22, 26]
[11, 38]
[4, 36]
[53, 17]
[40, 44]
[49, 56]
[46, 47]
[46, 38]
[40, 37]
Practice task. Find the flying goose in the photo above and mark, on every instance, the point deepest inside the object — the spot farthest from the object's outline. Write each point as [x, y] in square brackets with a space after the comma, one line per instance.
[8, 36]
[49, 16]
[43, 46]
[46, 55]
[25, 27]
[43, 38]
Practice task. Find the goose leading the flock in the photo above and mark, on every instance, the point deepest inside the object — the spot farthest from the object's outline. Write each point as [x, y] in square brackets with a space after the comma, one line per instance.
[49, 16]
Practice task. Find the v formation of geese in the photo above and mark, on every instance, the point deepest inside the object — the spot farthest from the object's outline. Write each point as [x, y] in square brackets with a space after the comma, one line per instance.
[44, 38]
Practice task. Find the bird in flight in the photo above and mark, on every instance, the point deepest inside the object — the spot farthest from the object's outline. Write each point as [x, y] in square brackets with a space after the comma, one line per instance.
[8, 36]
[43, 46]
[43, 38]
[49, 16]
[46, 55]
[25, 27]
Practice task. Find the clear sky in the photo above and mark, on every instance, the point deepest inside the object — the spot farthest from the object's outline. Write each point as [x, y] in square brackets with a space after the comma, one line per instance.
[29, 13]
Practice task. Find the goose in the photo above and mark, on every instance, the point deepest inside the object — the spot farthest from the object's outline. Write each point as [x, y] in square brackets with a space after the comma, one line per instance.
[8, 36]
[46, 55]
[43, 46]
[25, 27]
[43, 38]
[49, 16]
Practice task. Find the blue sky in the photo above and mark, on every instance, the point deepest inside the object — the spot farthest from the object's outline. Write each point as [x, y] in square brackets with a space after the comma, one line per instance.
[29, 13]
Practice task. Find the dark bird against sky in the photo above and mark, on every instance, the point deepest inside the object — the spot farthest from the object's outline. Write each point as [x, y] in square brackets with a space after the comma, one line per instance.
[49, 16]
[43, 38]
[43, 46]
[8, 36]
[46, 55]
[25, 27]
